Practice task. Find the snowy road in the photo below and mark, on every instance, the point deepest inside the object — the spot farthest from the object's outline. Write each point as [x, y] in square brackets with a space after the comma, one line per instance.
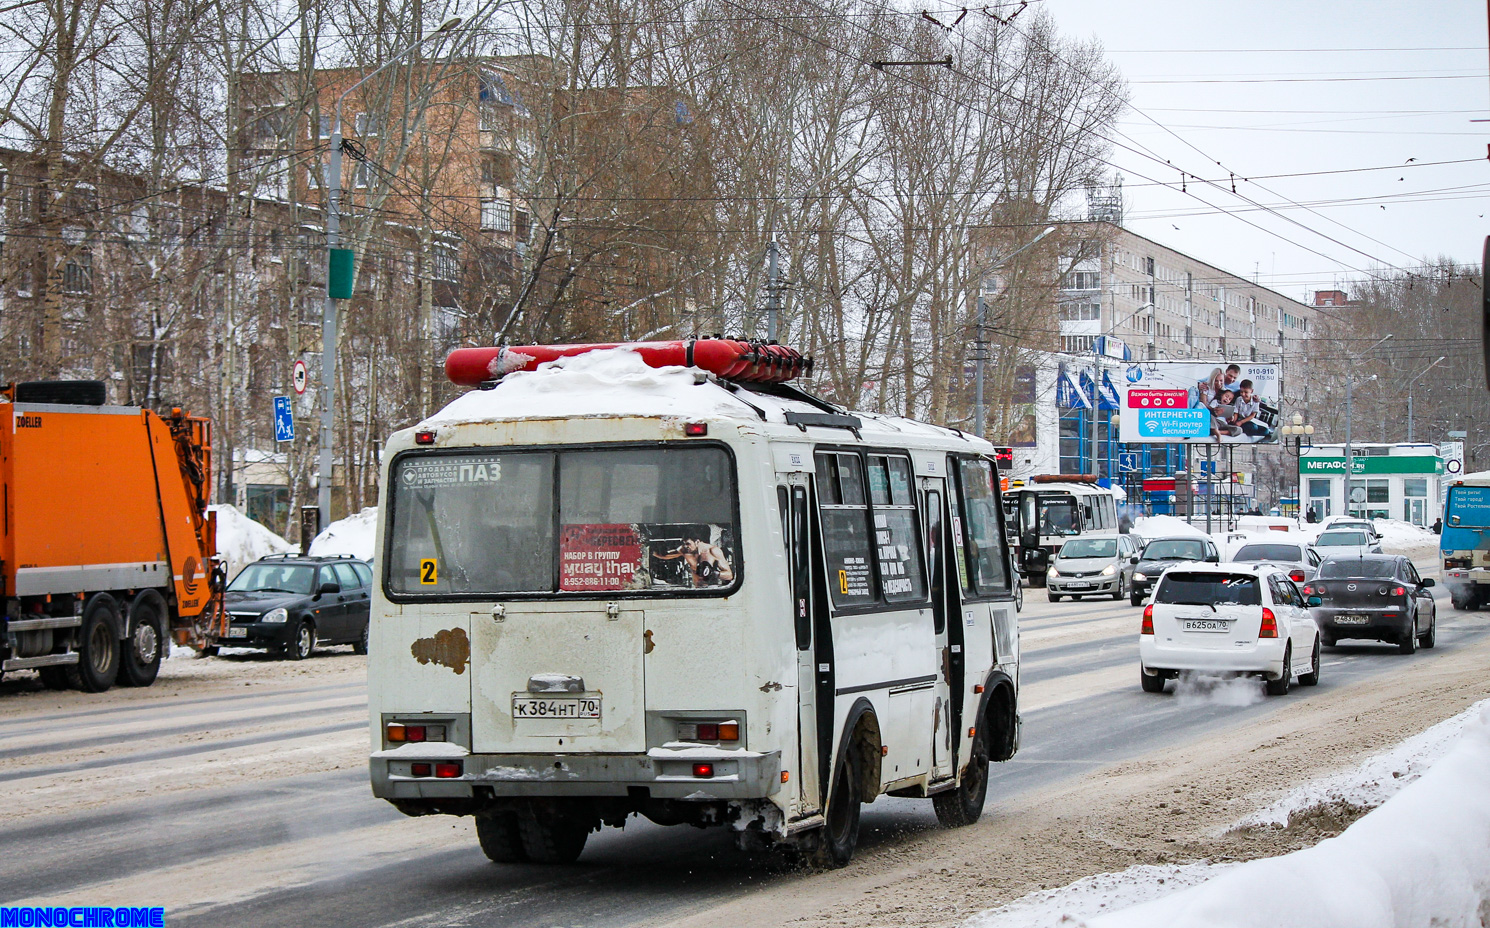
[233, 804]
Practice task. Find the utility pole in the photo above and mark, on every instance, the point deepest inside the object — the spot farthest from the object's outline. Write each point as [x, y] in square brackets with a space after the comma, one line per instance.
[1349, 394]
[980, 344]
[773, 291]
[1410, 384]
[333, 244]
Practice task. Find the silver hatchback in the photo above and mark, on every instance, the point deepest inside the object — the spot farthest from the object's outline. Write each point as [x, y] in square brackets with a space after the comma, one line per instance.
[1092, 565]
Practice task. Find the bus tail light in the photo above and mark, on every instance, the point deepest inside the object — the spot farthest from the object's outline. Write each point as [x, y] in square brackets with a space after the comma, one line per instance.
[1148, 620]
[403, 733]
[709, 731]
[695, 429]
[703, 770]
[1269, 624]
[448, 770]
[424, 437]
[421, 769]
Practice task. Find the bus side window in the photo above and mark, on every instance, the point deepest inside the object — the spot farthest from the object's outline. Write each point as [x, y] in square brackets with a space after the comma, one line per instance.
[934, 556]
[847, 543]
[985, 544]
[781, 504]
[801, 568]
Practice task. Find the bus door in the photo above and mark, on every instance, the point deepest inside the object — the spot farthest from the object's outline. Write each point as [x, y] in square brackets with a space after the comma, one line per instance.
[949, 682]
[797, 518]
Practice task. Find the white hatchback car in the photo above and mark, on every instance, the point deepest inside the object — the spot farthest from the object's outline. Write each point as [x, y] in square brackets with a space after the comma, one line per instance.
[1228, 618]
[1346, 542]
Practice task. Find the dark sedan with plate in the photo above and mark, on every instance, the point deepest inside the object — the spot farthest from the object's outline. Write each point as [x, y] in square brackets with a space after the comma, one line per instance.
[1160, 554]
[1378, 597]
[288, 603]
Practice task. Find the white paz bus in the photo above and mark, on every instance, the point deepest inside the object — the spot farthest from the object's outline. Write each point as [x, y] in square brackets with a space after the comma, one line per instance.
[621, 584]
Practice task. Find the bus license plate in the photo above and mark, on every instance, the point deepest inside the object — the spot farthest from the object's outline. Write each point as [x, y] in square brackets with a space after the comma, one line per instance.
[547, 707]
[1205, 625]
[237, 633]
[1352, 620]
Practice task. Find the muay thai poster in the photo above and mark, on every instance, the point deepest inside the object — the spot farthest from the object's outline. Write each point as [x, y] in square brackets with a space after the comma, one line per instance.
[638, 556]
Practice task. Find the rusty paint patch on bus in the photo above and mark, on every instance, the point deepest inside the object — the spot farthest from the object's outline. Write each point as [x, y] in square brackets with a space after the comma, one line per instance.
[448, 648]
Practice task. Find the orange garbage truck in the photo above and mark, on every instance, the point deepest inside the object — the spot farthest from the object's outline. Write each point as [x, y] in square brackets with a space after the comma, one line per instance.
[108, 550]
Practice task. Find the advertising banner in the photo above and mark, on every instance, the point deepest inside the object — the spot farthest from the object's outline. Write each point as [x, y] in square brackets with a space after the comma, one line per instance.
[1200, 402]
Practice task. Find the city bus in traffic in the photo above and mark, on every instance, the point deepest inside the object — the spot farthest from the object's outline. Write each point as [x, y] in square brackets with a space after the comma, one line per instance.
[1465, 542]
[1055, 509]
[659, 580]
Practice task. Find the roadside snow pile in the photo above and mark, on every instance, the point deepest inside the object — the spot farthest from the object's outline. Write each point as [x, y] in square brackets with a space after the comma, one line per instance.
[611, 382]
[241, 540]
[1165, 527]
[1375, 781]
[355, 535]
[1420, 860]
[1405, 538]
[1105, 892]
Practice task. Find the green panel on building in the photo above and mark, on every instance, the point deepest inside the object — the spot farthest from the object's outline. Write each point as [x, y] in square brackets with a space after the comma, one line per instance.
[1376, 464]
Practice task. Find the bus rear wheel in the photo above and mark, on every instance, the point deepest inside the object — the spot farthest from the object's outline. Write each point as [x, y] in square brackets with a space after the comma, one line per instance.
[964, 805]
[839, 835]
[500, 838]
[550, 836]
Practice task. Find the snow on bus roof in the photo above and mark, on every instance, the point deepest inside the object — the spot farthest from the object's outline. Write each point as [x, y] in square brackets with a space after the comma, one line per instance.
[617, 382]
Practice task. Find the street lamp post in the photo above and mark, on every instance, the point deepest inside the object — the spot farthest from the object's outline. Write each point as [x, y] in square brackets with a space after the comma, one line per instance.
[980, 414]
[1297, 430]
[1409, 394]
[333, 242]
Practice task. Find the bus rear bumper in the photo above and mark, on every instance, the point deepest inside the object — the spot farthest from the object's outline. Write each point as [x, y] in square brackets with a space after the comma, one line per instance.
[689, 773]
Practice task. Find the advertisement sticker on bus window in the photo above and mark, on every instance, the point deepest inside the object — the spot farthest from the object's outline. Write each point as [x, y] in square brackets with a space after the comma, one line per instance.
[638, 556]
[600, 557]
[695, 555]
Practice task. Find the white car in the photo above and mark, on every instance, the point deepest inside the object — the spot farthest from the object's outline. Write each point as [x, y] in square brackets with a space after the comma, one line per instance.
[1228, 618]
[1339, 523]
[1346, 542]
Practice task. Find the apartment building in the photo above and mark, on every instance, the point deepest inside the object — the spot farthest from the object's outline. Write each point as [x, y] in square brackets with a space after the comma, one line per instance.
[1125, 299]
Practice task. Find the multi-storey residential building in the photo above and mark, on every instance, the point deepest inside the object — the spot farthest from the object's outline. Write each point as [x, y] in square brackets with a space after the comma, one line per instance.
[1125, 299]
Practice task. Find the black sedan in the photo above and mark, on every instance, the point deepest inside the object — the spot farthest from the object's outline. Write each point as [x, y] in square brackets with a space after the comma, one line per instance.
[1379, 597]
[1160, 554]
[288, 603]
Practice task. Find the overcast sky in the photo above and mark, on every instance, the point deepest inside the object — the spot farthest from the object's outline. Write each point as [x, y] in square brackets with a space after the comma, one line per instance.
[1272, 87]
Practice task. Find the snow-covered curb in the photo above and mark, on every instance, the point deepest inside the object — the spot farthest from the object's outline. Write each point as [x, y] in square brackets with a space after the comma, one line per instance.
[1421, 859]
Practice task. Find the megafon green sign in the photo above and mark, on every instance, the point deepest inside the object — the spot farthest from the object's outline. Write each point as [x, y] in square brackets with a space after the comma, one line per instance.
[1377, 464]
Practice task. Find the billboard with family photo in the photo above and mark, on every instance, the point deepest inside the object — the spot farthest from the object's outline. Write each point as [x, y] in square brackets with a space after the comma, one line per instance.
[1200, 402]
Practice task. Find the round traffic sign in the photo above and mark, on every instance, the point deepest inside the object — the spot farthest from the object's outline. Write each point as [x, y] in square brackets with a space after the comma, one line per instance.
[1453, 466]
[1358, 495]
[299, 376]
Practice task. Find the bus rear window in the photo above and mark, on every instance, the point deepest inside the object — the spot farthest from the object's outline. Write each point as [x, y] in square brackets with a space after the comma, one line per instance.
[593, 521]
[1469, 507]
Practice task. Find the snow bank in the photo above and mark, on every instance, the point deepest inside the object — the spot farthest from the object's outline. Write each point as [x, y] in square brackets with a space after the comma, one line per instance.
[611, 382]
[1166, 526]
[1421, 859]
[1375, 781]
[1105, 892]
[241, 540]
[1405, 538]
[355, 535]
